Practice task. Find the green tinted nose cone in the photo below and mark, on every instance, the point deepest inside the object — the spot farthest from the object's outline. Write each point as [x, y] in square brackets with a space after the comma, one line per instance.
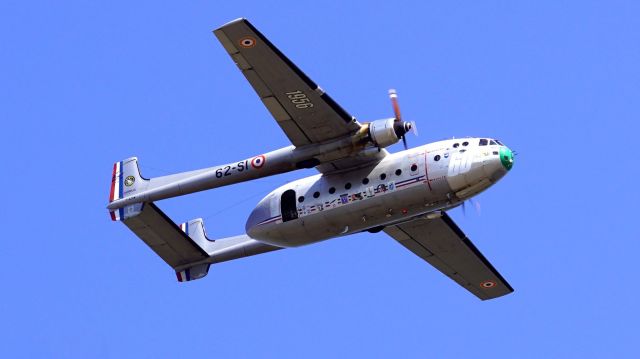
[506, 157]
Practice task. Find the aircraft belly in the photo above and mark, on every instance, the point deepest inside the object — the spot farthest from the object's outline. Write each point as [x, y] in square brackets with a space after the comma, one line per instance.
[396, 205]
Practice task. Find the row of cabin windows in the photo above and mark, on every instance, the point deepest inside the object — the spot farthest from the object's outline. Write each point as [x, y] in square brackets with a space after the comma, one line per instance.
[365, 181]
[483, 142]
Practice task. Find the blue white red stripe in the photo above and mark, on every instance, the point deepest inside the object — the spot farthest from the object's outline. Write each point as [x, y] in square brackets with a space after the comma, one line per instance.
[117, 215]
[409, 181]
[116, 191]
[116, 182]
[270, 220]
[185, 227]
[184, 276]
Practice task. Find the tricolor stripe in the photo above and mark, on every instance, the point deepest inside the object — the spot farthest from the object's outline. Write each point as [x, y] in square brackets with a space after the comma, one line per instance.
[185, 227]
[116, 182]
[409, 181]
[113, 181]
[117, 215]
[270, 220]
[116, 191]
[183, 276]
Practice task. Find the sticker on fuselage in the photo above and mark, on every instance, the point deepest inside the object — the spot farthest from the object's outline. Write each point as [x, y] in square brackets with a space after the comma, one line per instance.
[129, 181]
[347, 198]
[258, 161]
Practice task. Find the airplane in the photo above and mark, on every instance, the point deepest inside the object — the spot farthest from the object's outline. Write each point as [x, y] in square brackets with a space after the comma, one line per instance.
[360, 187]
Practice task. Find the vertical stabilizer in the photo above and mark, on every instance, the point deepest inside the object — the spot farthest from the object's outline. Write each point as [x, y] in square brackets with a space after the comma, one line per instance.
[126, 181]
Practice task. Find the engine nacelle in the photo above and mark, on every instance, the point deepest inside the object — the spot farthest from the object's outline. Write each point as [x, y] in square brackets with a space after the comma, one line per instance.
[383, 133]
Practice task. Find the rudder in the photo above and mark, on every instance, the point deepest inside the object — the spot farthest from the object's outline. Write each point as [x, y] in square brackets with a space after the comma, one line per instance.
[125, 181]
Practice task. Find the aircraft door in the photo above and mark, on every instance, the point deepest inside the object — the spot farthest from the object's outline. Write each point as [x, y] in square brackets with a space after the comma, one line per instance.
[288, 205]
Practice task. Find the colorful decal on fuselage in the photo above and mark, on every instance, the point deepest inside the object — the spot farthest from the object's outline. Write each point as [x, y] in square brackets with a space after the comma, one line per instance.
[345, 199]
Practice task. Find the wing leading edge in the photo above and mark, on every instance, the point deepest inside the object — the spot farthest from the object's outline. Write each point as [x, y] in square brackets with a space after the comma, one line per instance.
[442, 244]
[302, 109]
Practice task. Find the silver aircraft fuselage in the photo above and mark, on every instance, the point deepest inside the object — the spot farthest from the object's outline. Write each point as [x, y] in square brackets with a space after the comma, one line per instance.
[417, 182]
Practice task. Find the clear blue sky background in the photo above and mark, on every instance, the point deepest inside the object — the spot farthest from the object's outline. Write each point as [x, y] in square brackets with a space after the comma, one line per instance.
[84, 84]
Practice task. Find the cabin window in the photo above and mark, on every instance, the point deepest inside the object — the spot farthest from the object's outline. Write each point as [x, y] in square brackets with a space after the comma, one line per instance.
[365, 180]
[332, 190]
[288, 205]
[483, 142]
[316, 194]
[301, 199]
[495, 152]
[436, 158]
[398, 172]
[347, 186]
[414, 167]
[383, 176]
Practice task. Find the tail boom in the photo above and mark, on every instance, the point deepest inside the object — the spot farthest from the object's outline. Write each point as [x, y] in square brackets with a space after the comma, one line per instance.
[186, 247]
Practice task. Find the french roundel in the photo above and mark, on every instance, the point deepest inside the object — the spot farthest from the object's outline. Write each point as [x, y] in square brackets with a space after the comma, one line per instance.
[258, 161]
[247, 42]
[488, 284]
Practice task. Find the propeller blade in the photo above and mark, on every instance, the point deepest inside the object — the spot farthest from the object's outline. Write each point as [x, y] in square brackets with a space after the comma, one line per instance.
[393, 95]
[476, 205]
[464, 209]
[404, 142]
[414, 128]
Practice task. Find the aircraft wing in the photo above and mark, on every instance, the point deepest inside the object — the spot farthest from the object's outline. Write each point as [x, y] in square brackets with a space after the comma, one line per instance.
[302, 109]
[440, 242]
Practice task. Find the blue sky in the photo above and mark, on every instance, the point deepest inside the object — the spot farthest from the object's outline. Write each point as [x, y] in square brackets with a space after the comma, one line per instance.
[84, 84]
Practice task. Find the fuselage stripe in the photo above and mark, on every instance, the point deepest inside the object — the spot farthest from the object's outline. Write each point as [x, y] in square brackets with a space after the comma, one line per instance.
[326, 204]
[270, 220]
[426, 168]
[415, 179]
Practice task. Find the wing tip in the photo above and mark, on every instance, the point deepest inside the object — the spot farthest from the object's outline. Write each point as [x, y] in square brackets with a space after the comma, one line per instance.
[232, 22]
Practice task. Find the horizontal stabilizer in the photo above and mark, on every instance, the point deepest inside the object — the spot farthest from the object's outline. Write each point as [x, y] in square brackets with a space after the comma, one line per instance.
[185, 247]
[170, 242]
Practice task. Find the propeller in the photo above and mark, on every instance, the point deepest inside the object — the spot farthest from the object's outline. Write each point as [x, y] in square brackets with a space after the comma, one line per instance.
[399, 126]
[475, 204]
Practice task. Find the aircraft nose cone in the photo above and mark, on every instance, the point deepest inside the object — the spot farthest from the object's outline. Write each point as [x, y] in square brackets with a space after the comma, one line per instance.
[506, 157]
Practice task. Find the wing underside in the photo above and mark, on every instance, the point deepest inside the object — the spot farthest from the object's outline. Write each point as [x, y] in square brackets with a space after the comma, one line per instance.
[442, 244]
[302, 109]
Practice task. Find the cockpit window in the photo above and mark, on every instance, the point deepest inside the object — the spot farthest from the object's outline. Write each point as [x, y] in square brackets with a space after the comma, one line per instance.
[483, 142]
[493, 142]
[465, 143]
[455, 145]
[500, 143]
